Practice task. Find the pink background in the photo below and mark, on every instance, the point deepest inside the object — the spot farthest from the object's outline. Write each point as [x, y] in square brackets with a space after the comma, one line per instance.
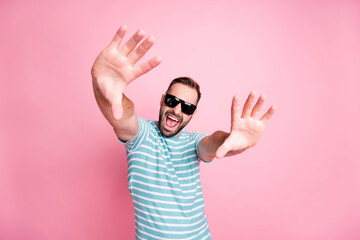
[63, 172]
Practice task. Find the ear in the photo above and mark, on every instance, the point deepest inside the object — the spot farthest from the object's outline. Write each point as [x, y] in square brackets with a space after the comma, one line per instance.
[162, 99]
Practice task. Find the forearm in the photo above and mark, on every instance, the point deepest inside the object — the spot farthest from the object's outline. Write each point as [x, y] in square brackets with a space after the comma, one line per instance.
[210, 144]
[126, 127]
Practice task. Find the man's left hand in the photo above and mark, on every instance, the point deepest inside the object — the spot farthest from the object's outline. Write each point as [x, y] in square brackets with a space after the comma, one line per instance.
[247, 128]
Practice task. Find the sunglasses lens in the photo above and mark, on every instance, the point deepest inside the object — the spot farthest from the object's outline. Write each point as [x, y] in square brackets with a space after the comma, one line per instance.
[188, 108]
[171, 101]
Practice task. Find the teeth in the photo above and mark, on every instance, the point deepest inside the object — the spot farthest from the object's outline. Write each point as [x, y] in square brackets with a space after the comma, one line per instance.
[173, 118]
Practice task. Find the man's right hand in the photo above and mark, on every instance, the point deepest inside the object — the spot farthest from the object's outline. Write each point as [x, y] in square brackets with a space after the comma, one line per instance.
[115, 68]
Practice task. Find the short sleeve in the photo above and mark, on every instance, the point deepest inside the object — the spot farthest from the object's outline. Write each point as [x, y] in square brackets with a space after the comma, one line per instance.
[134, 143]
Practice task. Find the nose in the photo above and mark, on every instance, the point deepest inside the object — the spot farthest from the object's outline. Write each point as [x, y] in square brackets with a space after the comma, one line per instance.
[177, 109]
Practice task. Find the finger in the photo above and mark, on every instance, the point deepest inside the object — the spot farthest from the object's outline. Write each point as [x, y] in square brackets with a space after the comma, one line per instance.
[141, 50]
[146, 66]
[132, 42]
[222, 150]
[117, 111]
[248, 105]
[268, 114]
[115, 43]
[256, 110]
[235, 109]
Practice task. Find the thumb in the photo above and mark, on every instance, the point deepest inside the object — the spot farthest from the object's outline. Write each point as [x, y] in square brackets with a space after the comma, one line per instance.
[223, 150]
[116, 108]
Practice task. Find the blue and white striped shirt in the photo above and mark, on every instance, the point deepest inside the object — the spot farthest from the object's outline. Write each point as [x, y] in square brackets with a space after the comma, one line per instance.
[164, 182]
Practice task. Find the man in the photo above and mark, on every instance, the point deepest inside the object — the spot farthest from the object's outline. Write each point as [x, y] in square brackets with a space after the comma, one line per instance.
[163, 166]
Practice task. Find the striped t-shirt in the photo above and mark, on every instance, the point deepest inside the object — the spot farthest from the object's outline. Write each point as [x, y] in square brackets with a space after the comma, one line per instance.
[164, 182]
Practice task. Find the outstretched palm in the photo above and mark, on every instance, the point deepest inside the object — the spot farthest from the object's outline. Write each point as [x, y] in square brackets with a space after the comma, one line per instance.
[115, 68]
[247, 128]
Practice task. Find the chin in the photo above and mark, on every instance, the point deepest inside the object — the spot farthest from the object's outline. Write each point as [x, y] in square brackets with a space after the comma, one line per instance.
[167, 133]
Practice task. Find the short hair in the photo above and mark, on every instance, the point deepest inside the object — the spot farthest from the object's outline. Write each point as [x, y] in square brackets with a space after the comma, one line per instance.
[188, 82]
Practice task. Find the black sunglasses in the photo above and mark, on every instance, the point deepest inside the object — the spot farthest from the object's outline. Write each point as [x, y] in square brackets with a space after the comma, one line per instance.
[172, 101]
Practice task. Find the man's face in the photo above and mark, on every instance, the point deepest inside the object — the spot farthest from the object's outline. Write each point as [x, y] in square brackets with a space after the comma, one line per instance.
[173, 120]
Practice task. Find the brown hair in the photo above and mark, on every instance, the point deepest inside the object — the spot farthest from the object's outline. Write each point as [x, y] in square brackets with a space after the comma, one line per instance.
[188, 82]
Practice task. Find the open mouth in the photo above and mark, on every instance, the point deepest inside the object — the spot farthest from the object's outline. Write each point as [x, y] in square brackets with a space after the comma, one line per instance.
[171, 122]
